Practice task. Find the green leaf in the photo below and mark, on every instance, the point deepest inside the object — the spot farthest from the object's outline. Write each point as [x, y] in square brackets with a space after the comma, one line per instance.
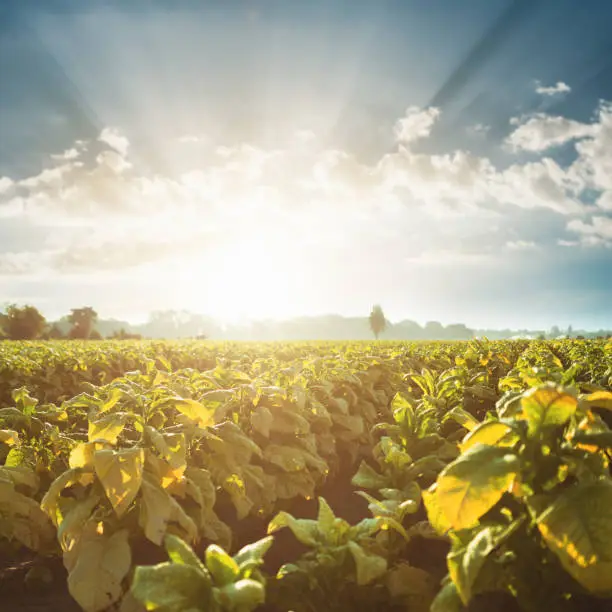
[181, 553]
[221, 566]
[170, 587]
[368, 478]
[305, 530]
[251, 555]
[474, 483]
[369, 567]
[547, 406]
[465, 564]
[577, 527]
[447, 600]
[243, 596]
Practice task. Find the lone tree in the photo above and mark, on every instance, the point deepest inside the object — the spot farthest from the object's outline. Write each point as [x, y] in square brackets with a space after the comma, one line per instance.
[25, 323]
[378, 323]
[82, 321]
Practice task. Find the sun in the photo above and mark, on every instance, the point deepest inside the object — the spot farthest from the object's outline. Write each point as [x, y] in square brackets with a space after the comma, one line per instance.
[244, 279]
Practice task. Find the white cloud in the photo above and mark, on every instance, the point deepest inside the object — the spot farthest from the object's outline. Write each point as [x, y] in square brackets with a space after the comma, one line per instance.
[114, 139]
[559, 88]
[416, 124]
[521, 245]
[5, 184]
[68, 154]
[596, 233]
[542, 132]
[322, 198]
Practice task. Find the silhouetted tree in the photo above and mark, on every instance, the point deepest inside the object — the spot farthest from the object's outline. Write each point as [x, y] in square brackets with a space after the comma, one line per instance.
[434, 330]
[82, 321]
[378, 323]
[54, 332]
[23, 323]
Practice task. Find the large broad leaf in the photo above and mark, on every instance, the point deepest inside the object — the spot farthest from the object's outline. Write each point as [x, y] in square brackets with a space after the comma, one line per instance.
[546, 406]
[171, 447]
[222, 567]
[598, 399]
[101, 565]
[368, 478]
[251, 555]
[435, 514]
[261, 420]
[23, 519]
[158, 510]
[305, 530]
[577, 527]
[292, 459]
[170, 587]
[491, 433]
[199, 413]
[474, 483]
[243, 595]
[464, 564]
[50, 502]
[107, 428]
[120, 473]
[369, 567]
[181, 553]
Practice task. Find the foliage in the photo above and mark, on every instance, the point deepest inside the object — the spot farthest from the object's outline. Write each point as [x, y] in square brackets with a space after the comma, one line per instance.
[112, 448]
[82, 321]
[23, 323]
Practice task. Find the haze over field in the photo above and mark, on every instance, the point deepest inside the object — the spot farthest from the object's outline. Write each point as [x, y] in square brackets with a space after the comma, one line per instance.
[269, 159]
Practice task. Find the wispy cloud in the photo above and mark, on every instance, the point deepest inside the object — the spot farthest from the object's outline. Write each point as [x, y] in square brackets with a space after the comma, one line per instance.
[553, 90]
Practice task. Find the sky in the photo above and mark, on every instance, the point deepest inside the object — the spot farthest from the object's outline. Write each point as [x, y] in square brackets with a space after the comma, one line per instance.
[449, 160]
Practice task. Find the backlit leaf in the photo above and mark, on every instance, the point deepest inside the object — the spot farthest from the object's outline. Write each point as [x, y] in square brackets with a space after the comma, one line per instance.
[120, 473]
[474, 483]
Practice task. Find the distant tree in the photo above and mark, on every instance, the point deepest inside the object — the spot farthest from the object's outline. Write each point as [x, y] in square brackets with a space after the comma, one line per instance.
[555, 332]
[378, 323]
[434, 330]
[570, 331]
[124, 335]
[458, 331]
[82, 321]
[95, 335]
[54, 332]
[23, 323]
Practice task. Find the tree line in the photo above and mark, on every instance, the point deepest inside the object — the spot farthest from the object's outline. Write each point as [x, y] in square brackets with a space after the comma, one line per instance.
[28, 323]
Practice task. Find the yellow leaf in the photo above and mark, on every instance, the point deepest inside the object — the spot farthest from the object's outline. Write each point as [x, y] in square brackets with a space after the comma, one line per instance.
[577, 527]
[106, 428]
[101, 565]
[492, 433]
[471, 485]
[82, 455]
[599, 399]
[158, 509]
[195, 411]
[120, 473]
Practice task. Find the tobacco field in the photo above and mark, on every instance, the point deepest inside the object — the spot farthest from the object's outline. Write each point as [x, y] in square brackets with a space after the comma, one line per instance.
[186, 476]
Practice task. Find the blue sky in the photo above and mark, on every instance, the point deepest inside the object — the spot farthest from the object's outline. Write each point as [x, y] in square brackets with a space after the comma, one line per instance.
[450, 160]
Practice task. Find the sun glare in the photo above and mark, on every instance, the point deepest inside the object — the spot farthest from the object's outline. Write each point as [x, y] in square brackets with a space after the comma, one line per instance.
[246, 279]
